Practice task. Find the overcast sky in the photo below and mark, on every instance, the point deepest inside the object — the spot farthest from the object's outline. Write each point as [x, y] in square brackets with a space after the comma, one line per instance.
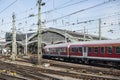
[63, 14]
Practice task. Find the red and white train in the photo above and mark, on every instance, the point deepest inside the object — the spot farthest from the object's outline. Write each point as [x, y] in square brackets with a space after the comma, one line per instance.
[104, 50]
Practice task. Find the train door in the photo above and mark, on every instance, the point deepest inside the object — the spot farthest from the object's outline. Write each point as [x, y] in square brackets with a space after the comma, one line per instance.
[85, 50]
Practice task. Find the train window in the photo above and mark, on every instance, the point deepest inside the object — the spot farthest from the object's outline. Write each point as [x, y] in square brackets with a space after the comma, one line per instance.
[74, 49]
[89, 49]
[96, 49]
[102, 50]
[48, 49]
[118, 49]
[57, 49]
[110, 49]
[80, 49]
[64, 50]
[84, 49]
[60, 49]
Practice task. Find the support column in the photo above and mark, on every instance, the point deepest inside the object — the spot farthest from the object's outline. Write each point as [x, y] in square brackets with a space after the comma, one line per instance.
[14, 46]
[39, 34]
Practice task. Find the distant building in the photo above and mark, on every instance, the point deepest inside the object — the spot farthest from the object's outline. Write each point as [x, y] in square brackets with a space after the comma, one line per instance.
[53, 35]
[49, 36]
[19, 36]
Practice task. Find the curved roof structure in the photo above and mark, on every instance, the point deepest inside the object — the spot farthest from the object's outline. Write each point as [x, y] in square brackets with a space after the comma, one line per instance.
[53, 35]
[56, 36]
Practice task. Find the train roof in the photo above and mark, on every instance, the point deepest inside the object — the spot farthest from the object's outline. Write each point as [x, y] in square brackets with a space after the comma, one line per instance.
[84, 43]
[57, 45]
[98, 42]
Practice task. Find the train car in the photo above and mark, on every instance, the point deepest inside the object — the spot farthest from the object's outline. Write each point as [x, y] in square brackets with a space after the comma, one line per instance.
[77, 52]
[56, 51]
[103, 50]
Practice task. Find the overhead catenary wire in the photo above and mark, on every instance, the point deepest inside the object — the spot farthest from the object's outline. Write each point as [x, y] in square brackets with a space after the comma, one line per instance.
[64, 6]
[50, 10]
[36, 15]
[91, 20]
[74, 12]
[94, 6]
[8, 6]
[80, 22]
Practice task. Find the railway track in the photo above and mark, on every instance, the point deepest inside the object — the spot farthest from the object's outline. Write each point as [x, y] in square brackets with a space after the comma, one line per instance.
[102, 70]
[37, 73]
[86, 68]
[9, 77]
[25, 71]
[64, 69]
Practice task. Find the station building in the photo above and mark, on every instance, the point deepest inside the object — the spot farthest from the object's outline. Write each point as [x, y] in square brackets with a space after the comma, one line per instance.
[49, 36]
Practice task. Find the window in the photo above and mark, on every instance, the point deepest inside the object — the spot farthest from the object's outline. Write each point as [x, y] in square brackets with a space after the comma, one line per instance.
[102, 49]
[64, 49]
[53, 49]
[118, 49]
[48, 49]
[74, 49]
[57, 49]
[84, 49]
[110, 49]
[96, 49]
[80, 49]
[89, 49]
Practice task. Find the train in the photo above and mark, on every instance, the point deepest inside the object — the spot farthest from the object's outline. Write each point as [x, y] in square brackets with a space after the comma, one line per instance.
[85, 51]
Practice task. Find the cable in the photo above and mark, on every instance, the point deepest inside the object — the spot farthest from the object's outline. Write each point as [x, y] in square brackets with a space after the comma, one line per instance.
[64, 6]
[26, 11]
[8, 6]
[71, 24]
[97, 5]
[67, 2]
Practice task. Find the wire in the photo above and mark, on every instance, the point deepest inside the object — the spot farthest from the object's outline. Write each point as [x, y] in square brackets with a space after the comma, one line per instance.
[64, 6]
[8, 6]
[97, 5]
[70, 24]
[67, 2]
[26, 11]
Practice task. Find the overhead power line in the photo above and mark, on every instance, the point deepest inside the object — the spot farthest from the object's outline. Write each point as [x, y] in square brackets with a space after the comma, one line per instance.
[8, 6]
[45, 11]
[64, 6]
[97, 5]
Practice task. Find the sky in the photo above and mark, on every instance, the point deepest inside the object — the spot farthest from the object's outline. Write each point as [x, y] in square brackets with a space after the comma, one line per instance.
[74, 15]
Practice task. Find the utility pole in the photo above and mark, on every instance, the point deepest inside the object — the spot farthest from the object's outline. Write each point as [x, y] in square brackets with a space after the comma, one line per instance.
[14, 46]
[39, 34]
[99, 29]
